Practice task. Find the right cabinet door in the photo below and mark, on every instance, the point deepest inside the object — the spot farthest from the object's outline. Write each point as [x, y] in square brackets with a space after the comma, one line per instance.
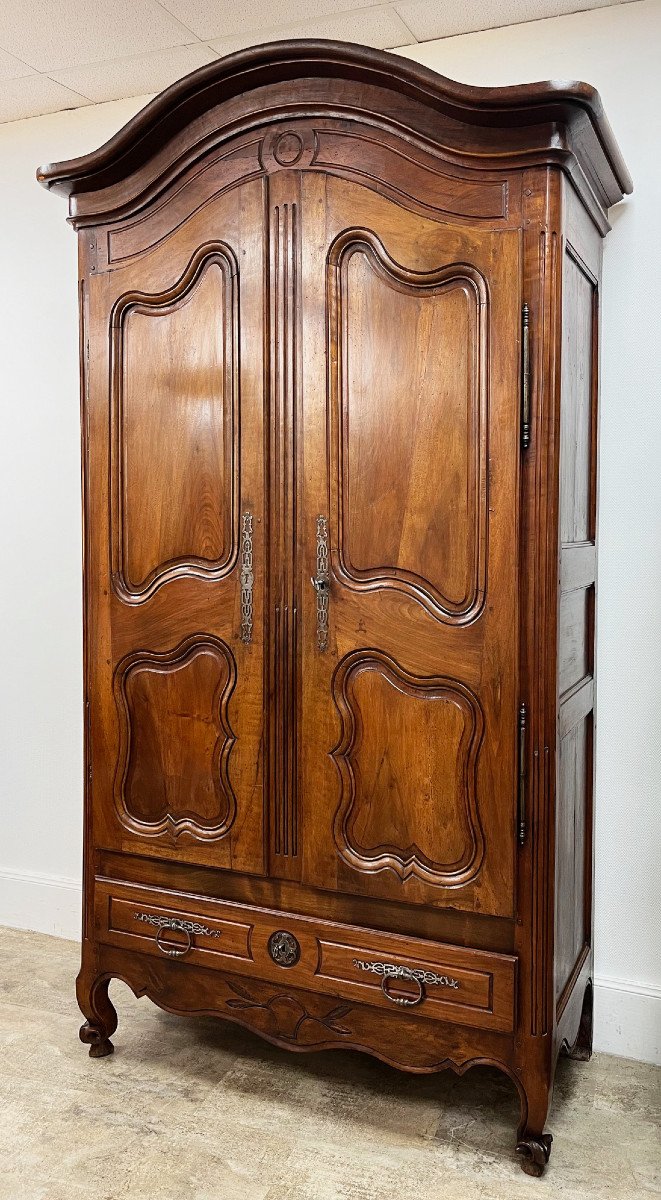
[409, 526]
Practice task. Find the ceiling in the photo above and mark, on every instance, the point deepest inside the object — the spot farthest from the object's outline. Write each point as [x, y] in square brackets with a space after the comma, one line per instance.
[59, 54]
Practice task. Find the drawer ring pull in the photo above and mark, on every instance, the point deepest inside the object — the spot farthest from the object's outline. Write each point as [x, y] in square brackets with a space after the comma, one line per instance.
[405, 1002]
[175, 951]
[390, 971]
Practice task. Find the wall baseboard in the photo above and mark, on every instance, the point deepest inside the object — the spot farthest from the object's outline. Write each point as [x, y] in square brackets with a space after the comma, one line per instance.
[627, 1015]
[627, 1019]
[42, 903]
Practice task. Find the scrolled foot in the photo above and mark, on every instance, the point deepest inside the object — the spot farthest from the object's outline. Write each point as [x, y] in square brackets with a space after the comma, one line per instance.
[99, 1045]
[97, 1007]
[534, 1153]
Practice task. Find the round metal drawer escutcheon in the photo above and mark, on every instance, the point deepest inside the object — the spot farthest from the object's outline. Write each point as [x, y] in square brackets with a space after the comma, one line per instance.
[284, 949]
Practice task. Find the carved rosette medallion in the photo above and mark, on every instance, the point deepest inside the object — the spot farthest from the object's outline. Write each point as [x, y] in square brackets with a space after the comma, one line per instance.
[285, 149]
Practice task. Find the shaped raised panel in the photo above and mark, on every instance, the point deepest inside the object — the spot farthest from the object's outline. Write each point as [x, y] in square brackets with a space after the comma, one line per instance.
[407, 762]
[579, 402]
[175, 428]
[202, 185]
[176, 740]
[573, 849]
[408, 173]
[408, 399]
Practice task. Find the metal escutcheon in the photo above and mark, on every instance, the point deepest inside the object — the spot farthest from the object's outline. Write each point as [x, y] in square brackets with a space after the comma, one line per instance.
[284, 948]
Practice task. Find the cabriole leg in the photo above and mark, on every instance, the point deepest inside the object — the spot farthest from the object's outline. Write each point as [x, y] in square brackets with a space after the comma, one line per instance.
[533, 1145]
[96, 1006]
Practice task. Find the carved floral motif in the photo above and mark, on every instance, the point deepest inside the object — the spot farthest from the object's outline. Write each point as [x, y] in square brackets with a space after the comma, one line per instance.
[288, 1013]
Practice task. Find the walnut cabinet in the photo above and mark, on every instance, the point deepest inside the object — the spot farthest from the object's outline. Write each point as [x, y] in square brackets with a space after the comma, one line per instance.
[339, 344]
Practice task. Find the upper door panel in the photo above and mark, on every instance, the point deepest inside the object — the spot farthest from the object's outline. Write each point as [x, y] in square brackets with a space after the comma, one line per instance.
[175, 403]
[426, 533]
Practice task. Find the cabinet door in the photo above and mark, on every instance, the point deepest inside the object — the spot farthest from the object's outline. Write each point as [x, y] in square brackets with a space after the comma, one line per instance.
[175, 543]
[409, 508]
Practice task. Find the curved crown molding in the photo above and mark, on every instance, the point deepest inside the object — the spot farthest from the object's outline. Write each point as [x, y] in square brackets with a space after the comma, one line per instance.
[559, 122]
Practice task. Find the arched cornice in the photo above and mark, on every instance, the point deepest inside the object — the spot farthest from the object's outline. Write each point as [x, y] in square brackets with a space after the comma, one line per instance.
[555, 122]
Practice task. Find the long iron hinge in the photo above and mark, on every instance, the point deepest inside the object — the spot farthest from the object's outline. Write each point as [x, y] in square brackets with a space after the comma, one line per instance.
[522, 775]
[525, 377]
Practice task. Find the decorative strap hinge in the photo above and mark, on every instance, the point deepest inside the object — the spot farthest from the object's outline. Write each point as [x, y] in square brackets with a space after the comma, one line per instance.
[525, 377]
[521, 806]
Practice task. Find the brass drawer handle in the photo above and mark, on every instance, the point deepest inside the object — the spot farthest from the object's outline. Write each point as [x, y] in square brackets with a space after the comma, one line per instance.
[417, 975]
[181, 925]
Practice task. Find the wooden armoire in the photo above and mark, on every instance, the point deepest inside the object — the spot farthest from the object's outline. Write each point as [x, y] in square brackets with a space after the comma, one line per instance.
[339, 344]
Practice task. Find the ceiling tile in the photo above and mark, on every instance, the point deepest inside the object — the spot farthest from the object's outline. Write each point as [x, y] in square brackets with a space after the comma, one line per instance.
[135, 76]
[429, 19]
[34, 95]
[51, 35]
[378, 27]
[13, 68]
[224, 18]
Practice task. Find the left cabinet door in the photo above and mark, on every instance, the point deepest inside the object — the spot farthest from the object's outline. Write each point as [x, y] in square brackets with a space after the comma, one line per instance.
[173, 342]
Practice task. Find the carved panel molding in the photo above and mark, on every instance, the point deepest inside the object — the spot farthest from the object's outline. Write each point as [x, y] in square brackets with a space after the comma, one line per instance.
[400, 781]
[176, 740]
[157, 537]
[429, 537]
[188, 195]
[377, 157]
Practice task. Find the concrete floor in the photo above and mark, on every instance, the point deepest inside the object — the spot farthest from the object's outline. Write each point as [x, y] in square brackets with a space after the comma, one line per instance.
[200, 1110]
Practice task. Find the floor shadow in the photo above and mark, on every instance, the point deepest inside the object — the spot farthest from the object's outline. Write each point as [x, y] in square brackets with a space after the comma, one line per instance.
[479, 1109]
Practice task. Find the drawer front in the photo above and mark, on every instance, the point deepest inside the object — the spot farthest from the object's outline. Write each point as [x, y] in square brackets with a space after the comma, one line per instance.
[430, 979]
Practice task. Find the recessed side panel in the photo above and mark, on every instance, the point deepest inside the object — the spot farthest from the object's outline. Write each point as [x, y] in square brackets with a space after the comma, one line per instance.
[176, 740]
[576, 624]
[572, 834]
[411, 370]
[407, 761]
[576, 638]
[578, 392]
[175, 404]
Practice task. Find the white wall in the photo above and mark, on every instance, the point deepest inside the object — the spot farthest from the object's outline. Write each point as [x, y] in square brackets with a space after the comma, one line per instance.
[614, 48]
[40, 555]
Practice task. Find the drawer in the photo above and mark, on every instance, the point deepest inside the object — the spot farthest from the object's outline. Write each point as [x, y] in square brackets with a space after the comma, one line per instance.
[430, 979]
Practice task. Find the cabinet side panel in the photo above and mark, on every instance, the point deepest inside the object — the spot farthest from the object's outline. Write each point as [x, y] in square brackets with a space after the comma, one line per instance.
[576, 625]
